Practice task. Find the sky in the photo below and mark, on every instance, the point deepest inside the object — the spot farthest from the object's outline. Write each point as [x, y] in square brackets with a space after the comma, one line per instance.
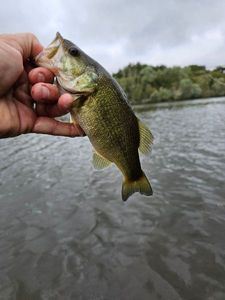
[119, 32]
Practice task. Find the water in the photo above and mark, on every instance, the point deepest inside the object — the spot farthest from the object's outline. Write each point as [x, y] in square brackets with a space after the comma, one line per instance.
[66, 234]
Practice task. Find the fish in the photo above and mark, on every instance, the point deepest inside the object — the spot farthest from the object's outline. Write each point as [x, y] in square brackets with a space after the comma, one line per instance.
[102, 110]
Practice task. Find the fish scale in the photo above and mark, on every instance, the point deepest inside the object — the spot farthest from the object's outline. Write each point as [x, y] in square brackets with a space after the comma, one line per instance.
[101, 109]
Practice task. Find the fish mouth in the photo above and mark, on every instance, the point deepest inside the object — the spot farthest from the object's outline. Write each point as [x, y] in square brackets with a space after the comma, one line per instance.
[42, 60]
[48, 57]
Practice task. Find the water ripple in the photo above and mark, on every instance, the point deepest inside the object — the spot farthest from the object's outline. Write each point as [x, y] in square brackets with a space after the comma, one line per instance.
[66, 234]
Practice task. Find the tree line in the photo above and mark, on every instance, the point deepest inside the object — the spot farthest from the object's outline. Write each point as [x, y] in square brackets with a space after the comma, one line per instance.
[148, 84]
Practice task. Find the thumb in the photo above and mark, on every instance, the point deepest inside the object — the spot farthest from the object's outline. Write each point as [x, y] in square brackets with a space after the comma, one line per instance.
[26, 43]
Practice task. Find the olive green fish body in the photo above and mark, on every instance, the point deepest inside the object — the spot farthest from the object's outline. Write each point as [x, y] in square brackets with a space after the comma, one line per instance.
[112, 128]
[102, 111]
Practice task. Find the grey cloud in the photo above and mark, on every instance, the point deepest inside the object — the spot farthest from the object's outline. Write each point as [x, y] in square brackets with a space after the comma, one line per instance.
[122, 31]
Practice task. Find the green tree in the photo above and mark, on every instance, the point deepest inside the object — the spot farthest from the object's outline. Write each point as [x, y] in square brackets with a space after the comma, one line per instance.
[188, 89]
[145, 83]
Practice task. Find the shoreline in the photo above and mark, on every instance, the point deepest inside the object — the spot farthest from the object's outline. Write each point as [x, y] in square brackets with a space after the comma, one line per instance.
[179, 103]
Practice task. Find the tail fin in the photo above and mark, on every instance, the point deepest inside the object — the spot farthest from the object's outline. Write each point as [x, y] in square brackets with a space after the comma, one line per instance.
[141, 185]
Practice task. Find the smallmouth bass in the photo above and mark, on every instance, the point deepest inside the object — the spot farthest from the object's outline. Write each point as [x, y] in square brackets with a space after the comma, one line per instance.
[101, 109]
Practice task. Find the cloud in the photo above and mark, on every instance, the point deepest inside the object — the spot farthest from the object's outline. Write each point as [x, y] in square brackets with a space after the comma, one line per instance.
[172, 32]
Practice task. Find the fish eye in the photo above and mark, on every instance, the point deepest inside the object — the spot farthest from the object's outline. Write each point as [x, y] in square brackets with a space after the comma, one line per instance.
[73, 51]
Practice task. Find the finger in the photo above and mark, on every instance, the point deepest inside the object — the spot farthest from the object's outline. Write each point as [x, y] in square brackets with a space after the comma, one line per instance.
[40, 74]
[62, 107]
[45, 92]
[50, 126]
[26, 43]
[65, 102]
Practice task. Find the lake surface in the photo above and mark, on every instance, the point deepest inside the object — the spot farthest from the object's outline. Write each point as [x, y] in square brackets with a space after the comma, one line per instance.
[66, 234]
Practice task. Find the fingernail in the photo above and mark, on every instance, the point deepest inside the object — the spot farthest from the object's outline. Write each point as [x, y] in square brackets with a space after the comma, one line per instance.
[44, 92]
[40, 77]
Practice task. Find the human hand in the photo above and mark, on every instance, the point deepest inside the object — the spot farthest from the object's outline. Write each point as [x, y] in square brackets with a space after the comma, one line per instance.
[21, 87]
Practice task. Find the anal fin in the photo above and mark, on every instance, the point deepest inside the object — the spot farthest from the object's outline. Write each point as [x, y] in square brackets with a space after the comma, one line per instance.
[73, 120]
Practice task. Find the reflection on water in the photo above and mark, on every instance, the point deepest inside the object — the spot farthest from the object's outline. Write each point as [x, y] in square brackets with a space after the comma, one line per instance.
[66, 234]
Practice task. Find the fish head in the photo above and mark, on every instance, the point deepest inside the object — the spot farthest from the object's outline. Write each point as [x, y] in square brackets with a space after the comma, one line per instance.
[69, 63]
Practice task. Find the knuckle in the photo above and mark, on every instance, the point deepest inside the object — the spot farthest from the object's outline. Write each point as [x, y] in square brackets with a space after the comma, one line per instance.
[30, 35]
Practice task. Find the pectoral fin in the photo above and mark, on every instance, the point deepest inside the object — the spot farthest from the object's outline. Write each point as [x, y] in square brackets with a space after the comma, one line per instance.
[100, 162]
[72, 120]
[76, 124]
[146, 139]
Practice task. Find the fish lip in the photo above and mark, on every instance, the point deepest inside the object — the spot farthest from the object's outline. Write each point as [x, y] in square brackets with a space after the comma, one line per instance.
[59, 36]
